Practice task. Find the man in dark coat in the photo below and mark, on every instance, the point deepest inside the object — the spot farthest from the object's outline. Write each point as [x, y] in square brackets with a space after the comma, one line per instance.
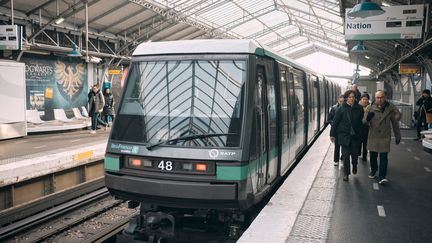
[332, 113]
[425, 106]
[347, 128]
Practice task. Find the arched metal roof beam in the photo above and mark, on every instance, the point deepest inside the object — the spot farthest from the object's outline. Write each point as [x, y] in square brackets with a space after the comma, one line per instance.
[264, 24]
[100, 16]
[143, 23]
[119, 21]
[39, 7]
[65, 14]
[179, 17]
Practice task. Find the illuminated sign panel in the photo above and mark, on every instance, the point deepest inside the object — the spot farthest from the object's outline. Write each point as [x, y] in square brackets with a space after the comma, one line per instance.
[405, 68]
[398, 22]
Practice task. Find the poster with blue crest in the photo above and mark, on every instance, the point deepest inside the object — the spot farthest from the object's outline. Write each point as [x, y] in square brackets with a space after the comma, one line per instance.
[55, 82]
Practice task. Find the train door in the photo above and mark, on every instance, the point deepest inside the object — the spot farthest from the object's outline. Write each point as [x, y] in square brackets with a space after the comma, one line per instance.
[268, 156]
[299, 113]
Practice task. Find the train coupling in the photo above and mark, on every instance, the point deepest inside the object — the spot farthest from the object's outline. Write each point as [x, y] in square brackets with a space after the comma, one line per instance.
[152, 225]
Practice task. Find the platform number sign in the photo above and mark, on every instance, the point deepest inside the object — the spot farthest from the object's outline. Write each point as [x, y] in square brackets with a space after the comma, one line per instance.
[165, 165]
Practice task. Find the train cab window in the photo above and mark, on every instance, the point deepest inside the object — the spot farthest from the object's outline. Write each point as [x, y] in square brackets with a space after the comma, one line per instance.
[166, 100]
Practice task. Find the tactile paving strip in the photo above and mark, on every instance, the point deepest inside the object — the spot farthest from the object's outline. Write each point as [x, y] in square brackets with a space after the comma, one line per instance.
[324, 182]
[317, 208]
[318, 193]
[311, 227]
[313, 222]
[295, 239]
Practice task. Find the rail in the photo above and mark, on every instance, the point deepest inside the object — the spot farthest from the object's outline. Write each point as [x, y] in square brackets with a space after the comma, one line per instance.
[406, 110]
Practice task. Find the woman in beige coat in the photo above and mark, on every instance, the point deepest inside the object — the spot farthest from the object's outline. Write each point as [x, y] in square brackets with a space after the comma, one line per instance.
[381, 117]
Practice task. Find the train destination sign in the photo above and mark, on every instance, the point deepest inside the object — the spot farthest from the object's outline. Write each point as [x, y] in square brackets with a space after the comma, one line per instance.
[397, 22]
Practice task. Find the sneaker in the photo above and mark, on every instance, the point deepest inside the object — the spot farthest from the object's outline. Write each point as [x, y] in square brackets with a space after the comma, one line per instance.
[383, 181]
[92, 131]
[354, 169]
[372, 175]
[345, 178]
[336, 163]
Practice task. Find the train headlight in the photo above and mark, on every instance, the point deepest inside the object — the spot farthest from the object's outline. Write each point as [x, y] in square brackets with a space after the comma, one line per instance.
[201, 167]
[135, 162]
[187, 166]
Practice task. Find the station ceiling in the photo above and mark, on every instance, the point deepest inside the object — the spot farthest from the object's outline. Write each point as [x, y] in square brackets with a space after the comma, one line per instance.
[295, 28]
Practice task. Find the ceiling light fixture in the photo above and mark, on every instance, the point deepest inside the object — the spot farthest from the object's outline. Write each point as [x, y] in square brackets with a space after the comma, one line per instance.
[74, 52]
[59, 20]
[365, 9]
[367, 57]
[359, 47]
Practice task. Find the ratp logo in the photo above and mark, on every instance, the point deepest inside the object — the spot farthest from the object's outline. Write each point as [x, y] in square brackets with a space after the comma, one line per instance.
[213, 153]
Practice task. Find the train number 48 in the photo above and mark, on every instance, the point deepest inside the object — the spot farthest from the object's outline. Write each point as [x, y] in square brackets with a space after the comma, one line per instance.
[165, 165]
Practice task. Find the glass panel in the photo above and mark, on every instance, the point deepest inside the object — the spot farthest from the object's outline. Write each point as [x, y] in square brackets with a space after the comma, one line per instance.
[172, 99]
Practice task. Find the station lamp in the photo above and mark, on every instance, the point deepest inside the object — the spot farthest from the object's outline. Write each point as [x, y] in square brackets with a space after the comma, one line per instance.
[74, 52]
[364, 9]
[359, 47]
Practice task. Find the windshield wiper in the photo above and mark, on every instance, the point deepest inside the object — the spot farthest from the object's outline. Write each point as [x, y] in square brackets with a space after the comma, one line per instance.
[189, 137]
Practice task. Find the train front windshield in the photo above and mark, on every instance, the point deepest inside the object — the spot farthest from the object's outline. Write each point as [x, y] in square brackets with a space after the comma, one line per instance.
[189, 103]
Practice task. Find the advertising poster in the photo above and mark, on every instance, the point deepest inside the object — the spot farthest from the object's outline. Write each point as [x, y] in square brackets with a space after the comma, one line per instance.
[55, 82]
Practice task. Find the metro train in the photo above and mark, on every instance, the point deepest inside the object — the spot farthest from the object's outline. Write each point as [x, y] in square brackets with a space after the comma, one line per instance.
[212, 124]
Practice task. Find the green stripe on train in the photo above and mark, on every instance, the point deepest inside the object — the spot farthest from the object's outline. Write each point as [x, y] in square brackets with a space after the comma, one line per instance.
[112, 163]
[242, 172]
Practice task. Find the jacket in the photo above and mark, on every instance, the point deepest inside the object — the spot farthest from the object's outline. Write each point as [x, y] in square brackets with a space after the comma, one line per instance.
[345, 118]
[96, 102]
[332, 113]
[426, 103]
[380, 126]
[109, 104]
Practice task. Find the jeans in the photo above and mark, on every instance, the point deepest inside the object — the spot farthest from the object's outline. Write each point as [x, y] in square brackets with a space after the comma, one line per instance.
[108, 118]
[95, 119]
[383, 163]
[421, 122]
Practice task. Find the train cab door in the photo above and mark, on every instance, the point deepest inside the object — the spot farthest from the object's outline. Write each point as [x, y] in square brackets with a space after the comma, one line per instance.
[266, 116]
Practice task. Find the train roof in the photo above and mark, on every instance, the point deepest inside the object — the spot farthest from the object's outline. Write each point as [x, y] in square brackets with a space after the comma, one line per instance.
[213, 46]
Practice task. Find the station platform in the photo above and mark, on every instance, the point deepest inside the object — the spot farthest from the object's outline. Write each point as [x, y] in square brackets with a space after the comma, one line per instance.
[35, 155]
[315, 205]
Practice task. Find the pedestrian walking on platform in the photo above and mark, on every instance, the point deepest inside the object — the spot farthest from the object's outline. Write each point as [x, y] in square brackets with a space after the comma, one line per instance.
[347, 128]
[381, 117]
[364, 102]
[96, 105]
[425, 109]
[108, 110]
[332, 113]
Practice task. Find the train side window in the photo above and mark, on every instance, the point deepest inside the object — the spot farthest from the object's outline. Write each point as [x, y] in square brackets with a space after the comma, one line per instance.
[284, 103]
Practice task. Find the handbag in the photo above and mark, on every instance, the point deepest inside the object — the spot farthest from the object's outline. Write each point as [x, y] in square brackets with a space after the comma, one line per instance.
[428, 116]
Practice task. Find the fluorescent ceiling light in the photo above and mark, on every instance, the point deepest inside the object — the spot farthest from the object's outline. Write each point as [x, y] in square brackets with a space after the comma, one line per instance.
[59, 20]
[367, 57]
[365, 9]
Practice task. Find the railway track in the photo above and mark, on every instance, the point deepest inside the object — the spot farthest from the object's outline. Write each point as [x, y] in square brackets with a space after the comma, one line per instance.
[91, 218]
